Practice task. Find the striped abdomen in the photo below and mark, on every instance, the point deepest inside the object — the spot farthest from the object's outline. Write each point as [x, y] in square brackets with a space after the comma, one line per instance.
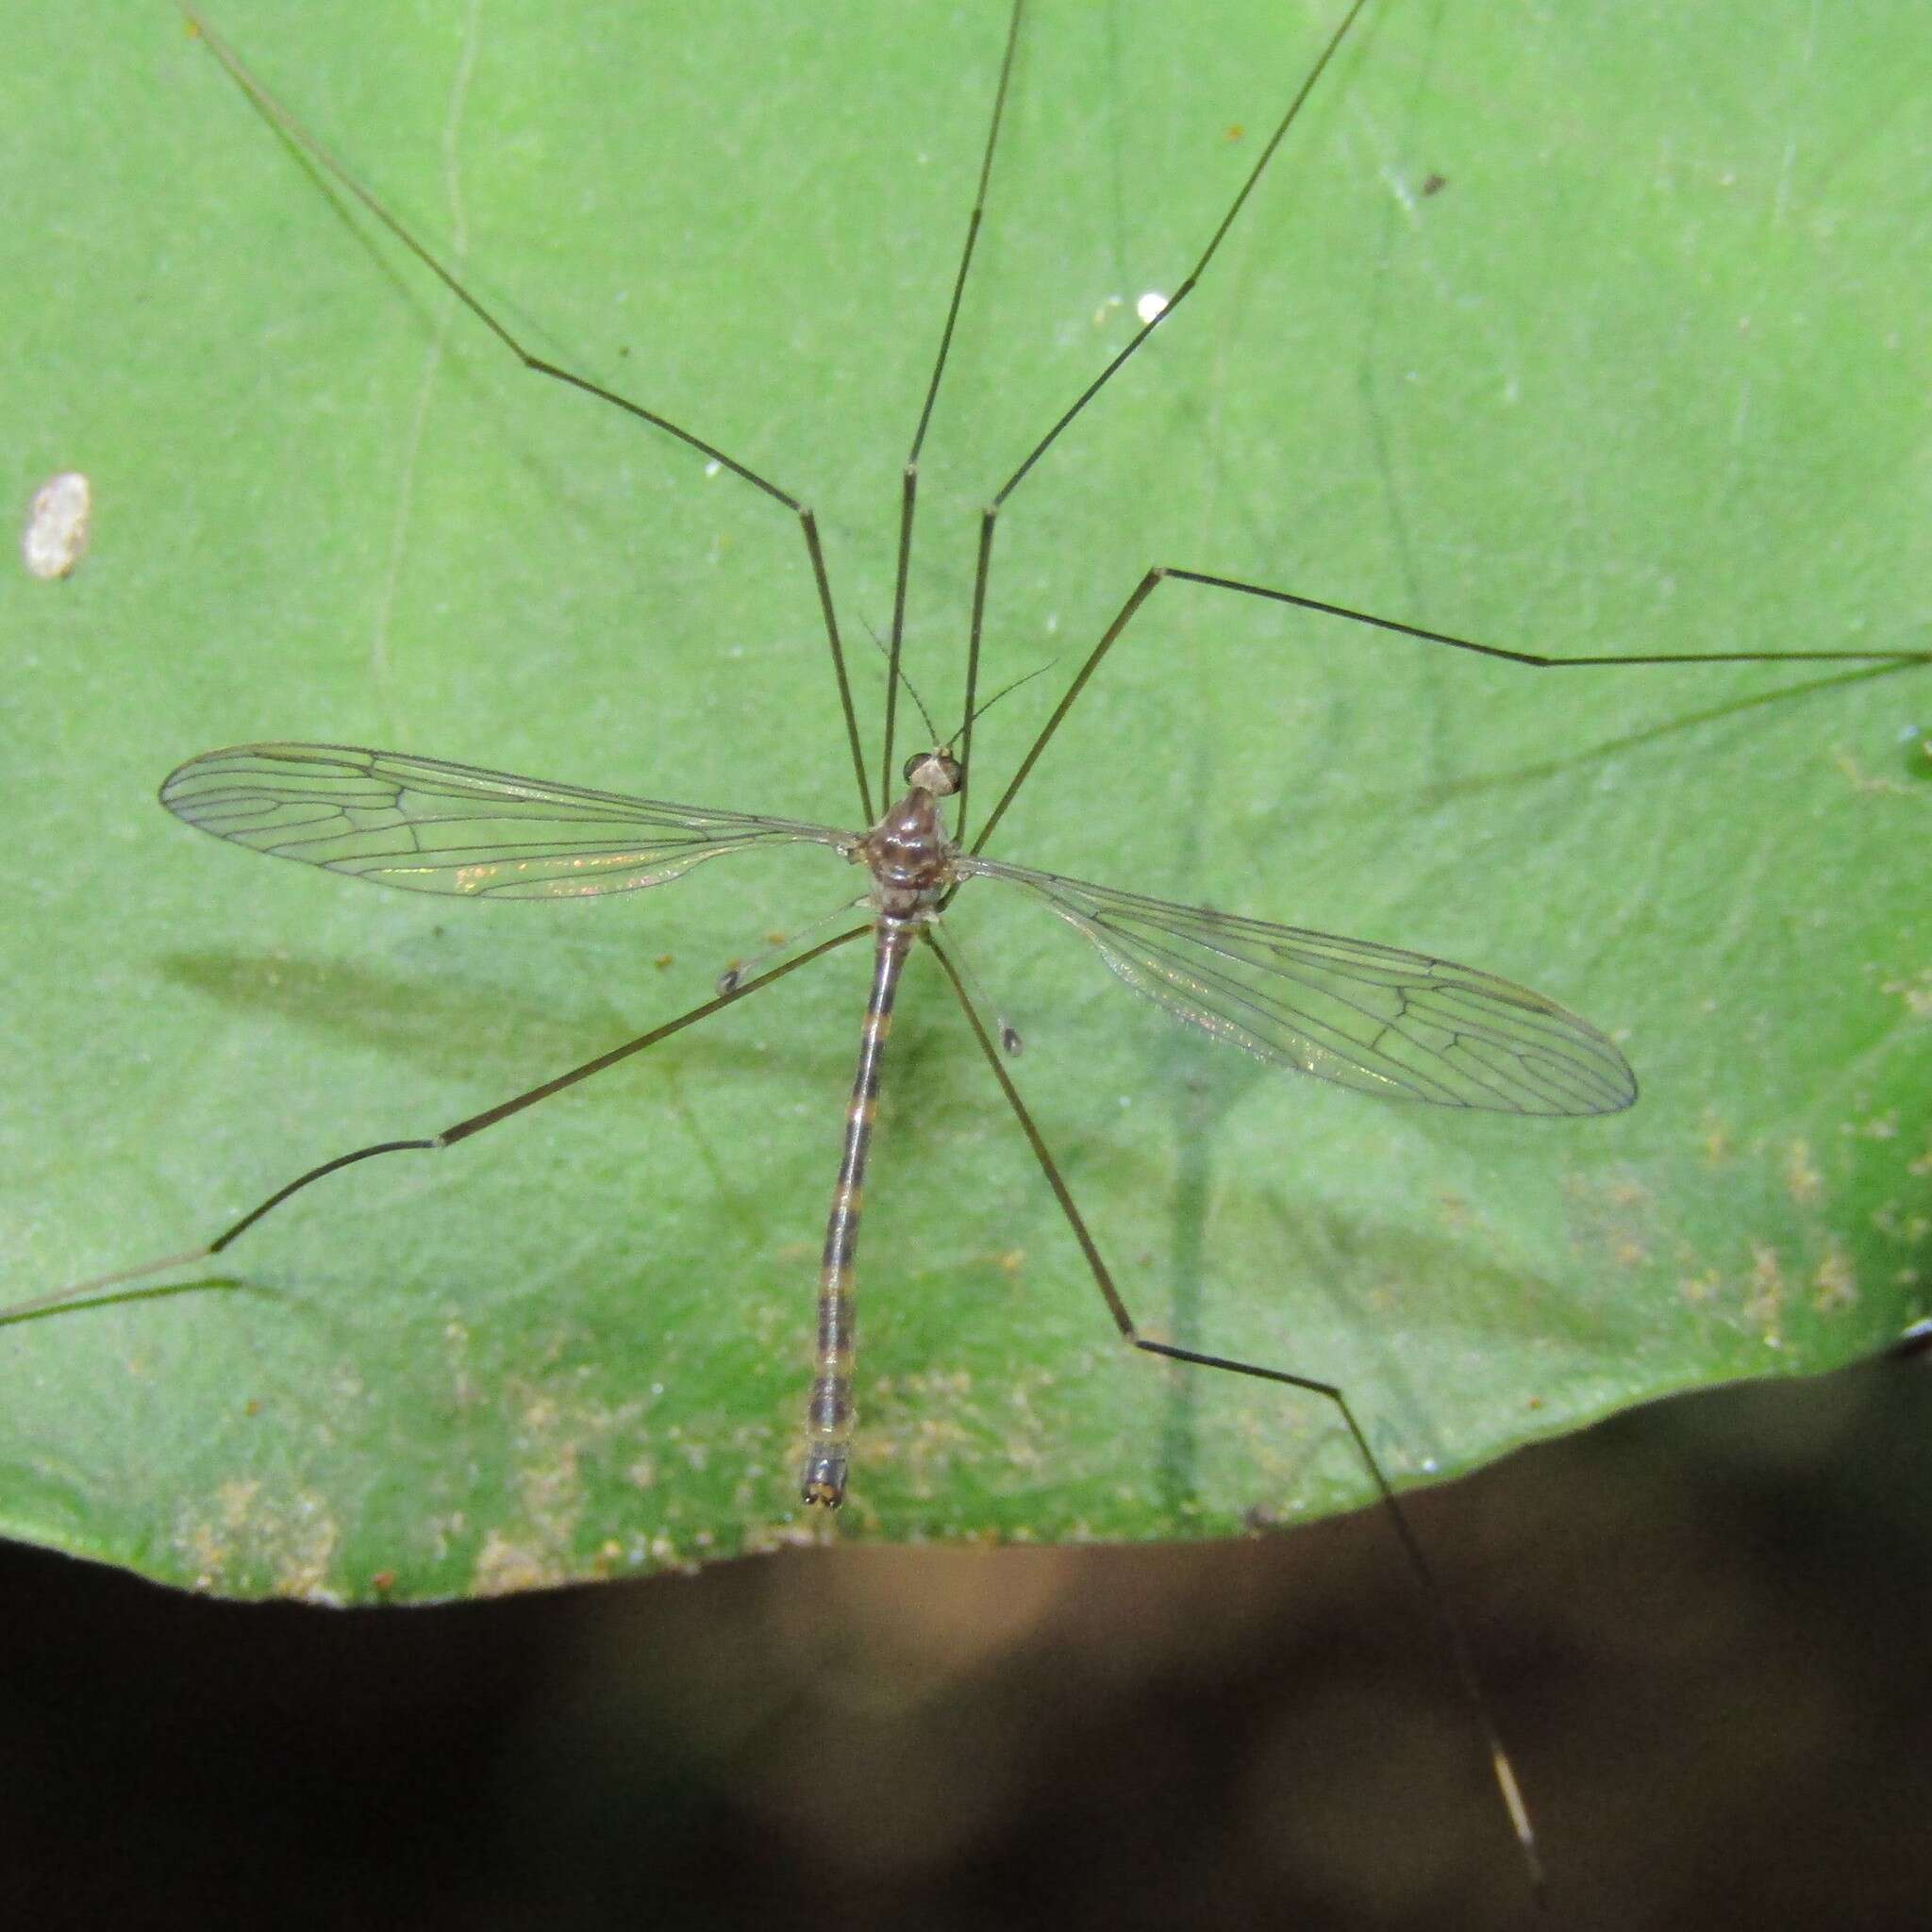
[829, 1414]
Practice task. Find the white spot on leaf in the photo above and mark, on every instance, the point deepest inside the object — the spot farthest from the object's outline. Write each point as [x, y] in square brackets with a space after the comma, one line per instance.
[57, 521]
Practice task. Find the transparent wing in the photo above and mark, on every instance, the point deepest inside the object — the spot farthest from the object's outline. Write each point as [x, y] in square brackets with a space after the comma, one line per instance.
[430, 826]
[1370, 1017]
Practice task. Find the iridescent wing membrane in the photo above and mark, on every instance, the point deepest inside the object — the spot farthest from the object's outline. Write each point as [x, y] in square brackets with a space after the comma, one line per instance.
[1374, 1018]
[431, 826]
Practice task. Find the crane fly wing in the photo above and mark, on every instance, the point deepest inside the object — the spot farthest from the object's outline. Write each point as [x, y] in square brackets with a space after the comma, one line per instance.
[428, 825]
[1371, 1017]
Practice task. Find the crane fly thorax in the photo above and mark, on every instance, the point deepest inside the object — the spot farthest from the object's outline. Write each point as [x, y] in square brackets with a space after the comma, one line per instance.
[909, 856]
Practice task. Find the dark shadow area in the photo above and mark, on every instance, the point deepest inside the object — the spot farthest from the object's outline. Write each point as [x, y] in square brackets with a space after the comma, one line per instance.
[1703, 1628]
[431, 1022]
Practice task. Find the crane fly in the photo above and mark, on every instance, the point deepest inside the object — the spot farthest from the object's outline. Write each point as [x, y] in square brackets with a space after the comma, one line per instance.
[1371, 1017]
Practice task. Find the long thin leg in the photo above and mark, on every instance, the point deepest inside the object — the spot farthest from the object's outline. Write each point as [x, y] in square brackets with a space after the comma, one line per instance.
[1199, 269]
[1449, 1630]
[989, 517]
[1530, 659]
[459, 1130]
[909, 483]
[285, 123]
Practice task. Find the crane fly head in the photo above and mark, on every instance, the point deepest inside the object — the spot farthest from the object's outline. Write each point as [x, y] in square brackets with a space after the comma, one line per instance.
[937, 771]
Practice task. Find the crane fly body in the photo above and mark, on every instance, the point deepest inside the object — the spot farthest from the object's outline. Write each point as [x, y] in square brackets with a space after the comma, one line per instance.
[1372, 1017]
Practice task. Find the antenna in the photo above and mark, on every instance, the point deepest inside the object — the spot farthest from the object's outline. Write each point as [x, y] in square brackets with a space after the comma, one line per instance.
[1039, 671]
[894, 669]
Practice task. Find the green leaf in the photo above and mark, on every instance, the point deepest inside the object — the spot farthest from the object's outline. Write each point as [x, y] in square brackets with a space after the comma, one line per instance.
[1644, 372]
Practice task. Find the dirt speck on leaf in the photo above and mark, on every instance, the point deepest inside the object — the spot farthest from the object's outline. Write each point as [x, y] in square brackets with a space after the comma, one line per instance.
[503, 1566]
[256, 1542]
[557, 1430]
[1803, 1181]
[1764, 1304]
[1835, 1285]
